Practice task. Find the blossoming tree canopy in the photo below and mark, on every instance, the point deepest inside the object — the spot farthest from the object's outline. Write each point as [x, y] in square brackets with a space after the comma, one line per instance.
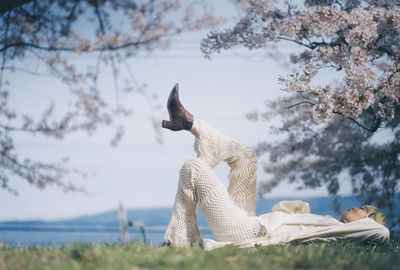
[50, 34]
[358, 43]
[360, 39]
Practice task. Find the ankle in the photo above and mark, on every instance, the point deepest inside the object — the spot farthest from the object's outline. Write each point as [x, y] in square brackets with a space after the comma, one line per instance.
[194, 129]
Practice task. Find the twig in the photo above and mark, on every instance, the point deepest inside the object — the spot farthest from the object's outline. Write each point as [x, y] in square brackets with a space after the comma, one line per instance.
[12, 68]
[67, 49]
[3, 62]
[295, 41]
[97, 11]
[297, 104]
[372, 129]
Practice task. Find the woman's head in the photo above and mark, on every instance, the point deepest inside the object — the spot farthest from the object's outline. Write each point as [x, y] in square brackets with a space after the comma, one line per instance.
[374, 213]
[369, 211]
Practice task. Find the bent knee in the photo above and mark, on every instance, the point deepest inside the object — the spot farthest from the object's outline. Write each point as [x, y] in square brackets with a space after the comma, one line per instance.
[193, 169]
[192, 165]
[193, 162]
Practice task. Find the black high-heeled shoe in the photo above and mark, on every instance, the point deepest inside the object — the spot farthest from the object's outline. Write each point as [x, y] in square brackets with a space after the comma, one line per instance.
[179, 117]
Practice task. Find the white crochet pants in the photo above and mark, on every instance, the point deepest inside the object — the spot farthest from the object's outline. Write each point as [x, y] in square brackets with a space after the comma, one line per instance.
[230, 214]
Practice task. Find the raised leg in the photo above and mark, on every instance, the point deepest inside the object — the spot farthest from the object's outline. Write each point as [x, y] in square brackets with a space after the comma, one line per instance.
[182, 229]
[214, 147]
[199, 185]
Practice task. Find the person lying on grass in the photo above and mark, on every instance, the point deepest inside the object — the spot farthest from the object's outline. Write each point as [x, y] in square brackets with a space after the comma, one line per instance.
[230, 213]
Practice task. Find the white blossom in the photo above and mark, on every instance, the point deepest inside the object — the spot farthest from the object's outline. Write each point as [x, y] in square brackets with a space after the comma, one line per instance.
[334, 38]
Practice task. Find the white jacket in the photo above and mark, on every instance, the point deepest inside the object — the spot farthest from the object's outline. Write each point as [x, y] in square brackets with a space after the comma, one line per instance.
[291, 221]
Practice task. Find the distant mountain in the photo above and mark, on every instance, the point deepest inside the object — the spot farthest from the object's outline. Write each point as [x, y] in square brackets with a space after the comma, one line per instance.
[160, 216]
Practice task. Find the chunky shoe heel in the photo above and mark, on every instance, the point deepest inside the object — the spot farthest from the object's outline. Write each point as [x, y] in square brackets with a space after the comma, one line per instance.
[167, 124]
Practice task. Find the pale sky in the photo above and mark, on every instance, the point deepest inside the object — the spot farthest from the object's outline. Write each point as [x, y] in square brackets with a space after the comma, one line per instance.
[139, 172]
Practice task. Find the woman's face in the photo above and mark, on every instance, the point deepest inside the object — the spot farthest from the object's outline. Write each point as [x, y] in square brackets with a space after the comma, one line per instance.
[354, 214]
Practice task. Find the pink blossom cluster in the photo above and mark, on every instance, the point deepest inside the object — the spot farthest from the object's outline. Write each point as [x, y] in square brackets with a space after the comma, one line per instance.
[354, 54]
[359, 40]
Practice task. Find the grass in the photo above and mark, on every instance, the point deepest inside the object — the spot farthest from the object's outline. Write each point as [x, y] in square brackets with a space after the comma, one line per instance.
[134, 256]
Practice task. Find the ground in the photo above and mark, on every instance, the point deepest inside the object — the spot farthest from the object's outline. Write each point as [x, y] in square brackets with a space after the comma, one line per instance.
[323, 255]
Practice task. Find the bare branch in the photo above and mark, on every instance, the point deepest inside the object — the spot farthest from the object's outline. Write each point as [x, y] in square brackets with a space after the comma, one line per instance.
[302, 102]
[386, 82]
[97, 11]
[3, 62]
[295, 41]
[372, 129]
[73, 49]
[34, 73]
[4, 184]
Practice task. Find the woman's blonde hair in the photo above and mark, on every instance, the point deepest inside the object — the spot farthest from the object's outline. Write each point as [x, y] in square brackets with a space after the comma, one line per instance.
[374, 213]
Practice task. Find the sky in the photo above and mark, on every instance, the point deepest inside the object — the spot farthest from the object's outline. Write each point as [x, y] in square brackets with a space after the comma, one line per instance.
[140, 172]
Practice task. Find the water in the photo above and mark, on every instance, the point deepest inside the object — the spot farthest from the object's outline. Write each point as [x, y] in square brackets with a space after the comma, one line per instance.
[56, 239]
[62, 235]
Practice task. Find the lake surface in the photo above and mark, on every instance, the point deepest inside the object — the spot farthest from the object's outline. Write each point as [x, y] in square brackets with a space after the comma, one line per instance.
[56, 236]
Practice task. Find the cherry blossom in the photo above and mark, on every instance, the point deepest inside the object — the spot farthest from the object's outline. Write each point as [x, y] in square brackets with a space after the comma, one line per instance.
[342, 36]
[49, 32]
[329, 127]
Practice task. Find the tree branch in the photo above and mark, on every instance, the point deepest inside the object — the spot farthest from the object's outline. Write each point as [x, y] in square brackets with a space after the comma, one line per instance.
[295, 41]
[386, 82]
[3, 62]
[386, 50]
[35, 46]
[372, 129]
[302, 102]
[313, 44]
[32, 130]
[340, 5]
[4, 184]
[35, 73]
[32, 172]
[97, 11]
[67, 49]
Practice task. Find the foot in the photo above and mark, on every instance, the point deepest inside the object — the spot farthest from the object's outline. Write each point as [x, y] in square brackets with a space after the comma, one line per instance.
[179, 117]
[182, 233]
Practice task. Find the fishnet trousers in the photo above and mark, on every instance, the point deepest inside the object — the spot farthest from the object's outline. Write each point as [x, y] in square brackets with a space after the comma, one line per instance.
[229, 213]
